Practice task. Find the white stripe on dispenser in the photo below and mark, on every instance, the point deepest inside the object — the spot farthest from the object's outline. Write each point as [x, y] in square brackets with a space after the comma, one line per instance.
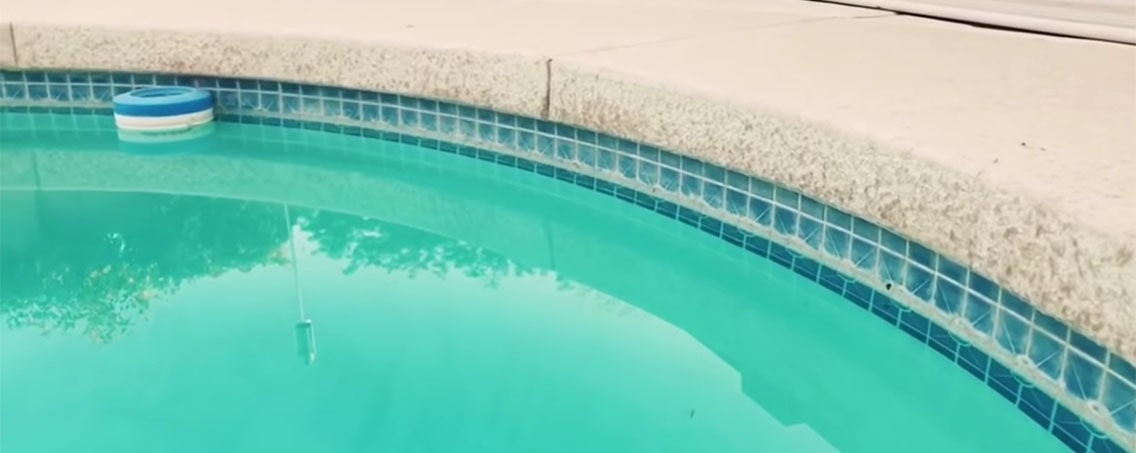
[163, 123]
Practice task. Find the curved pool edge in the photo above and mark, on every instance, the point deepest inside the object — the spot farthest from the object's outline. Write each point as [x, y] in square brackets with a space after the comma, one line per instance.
[1083, 280]
[1065, 266]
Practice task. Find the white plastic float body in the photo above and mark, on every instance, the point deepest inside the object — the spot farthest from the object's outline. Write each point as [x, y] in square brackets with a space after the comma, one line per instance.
[170, 123]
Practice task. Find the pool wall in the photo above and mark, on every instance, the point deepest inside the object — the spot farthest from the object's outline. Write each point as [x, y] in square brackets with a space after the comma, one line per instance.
[1056, 271]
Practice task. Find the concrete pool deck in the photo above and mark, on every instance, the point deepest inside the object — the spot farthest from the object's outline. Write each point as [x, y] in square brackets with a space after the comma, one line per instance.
[1010, 152]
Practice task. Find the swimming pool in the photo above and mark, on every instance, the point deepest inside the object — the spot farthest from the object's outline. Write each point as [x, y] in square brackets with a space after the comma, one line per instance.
[425, 213]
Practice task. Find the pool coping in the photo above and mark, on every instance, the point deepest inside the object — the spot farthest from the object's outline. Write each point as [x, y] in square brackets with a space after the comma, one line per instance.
[1076, 270]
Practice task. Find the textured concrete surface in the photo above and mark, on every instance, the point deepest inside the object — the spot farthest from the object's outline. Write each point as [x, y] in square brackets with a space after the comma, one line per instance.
[1010, 153]
[1013, 153]
[7, 47]
[1117, 13]
[1104, 20]
[504, 82]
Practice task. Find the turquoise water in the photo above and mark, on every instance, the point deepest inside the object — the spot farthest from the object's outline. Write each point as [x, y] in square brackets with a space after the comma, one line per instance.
[151, 304]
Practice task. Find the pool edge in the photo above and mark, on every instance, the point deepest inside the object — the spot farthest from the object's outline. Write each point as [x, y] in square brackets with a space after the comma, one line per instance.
[1087, 292]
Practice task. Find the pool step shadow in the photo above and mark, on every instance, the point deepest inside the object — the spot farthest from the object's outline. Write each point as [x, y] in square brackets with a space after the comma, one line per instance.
[803, 439]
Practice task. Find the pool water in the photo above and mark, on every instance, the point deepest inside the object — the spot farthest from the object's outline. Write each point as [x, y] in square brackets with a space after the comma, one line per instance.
[156, 303]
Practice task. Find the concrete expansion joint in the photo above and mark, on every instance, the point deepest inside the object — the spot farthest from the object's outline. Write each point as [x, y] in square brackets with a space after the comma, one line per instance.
[8, 51]
[546, 103]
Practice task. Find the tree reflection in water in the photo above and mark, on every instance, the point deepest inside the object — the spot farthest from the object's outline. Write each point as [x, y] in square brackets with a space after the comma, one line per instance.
[95, 261]
[366, 242]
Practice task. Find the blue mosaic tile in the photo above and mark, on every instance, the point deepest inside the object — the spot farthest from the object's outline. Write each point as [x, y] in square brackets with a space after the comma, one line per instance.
[80, 93]
[762, 189]
[885, 308]
[690, 166]
[630, 147]
[668, 179]
[915, 325]
[736, 202]
[251, 100]
[713, 195]
[831, 279]
[979, 313]
[760, 211]
[837, 242]
[37, 92]
[943, 341]
[785, 220]
[864, 255]
[544, 144]
[859, 293]
[53, 77]
[781, 255]
[588, 155]
[1083, 376]
[566, 150]
[787, 198]
[1071, 429]
[1087, 346]
[1017, 305]
[666, 158]
[866, 230]
[712, 173]
[102, 93]
[733, 235]
[757, 245]
[949, 296]
[1078, 365]
[1046, 353]
[1012, 333]
[1102, 444]
[812, 207]
[1037, 405]
[1119, 397]
[838, 218]
[892, 268]
[920, 282]
[738, 181]
[14, 91]
[1122, 368]
[811, 231]
[1050, 325]
[691, 185]
[973, 360]
[893, 242]
[1004, 381]
[806, 268]
[922, 255]
[984, 287]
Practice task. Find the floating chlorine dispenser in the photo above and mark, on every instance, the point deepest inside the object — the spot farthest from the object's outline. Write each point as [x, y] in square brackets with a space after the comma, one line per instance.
[154, 117]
